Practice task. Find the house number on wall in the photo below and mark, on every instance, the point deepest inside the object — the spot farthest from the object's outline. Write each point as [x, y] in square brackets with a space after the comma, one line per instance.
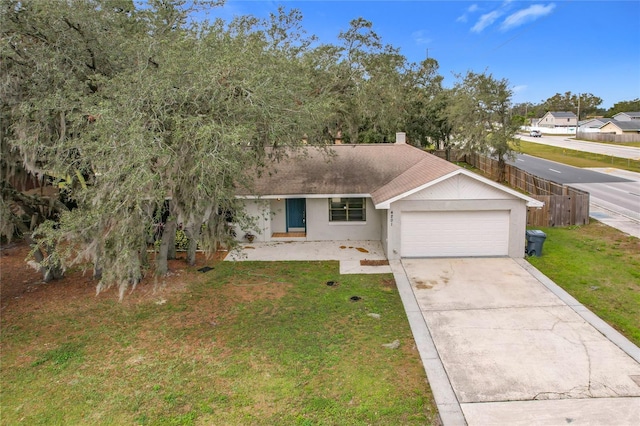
[391, 219]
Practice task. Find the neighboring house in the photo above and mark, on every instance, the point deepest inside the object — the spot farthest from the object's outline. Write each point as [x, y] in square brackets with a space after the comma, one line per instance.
[554, 119]
[593, 125]
[415, 203]
[621, 127]
[626, 116]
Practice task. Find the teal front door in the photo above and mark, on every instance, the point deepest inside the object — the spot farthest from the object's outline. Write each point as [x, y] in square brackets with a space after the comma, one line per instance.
[296, 216]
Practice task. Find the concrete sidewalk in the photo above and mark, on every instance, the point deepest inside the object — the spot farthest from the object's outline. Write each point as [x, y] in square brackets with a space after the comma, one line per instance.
[613, 215]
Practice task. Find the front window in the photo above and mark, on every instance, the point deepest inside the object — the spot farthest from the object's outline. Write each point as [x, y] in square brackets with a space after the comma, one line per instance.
[347, 210]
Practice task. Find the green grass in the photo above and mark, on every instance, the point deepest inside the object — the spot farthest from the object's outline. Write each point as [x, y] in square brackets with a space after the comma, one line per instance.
[635, 144]
[576, 158]
[600, 267]
[248, 343]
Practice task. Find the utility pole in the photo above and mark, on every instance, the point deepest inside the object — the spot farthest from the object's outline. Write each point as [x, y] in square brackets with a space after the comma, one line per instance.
[578, 120]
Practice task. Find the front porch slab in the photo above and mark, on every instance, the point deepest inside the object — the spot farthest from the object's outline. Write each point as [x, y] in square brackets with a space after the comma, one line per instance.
[308, 250]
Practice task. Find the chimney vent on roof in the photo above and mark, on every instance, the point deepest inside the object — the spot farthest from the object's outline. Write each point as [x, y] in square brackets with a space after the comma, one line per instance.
[401, 138]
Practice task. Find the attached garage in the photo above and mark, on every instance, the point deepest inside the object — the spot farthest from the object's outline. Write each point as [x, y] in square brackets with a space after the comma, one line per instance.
[455, 233]
[458, 215]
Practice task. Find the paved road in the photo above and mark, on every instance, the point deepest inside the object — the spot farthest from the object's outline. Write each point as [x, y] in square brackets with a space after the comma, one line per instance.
[615, 194]
[624, 195]
[630, 152]
[561, 173]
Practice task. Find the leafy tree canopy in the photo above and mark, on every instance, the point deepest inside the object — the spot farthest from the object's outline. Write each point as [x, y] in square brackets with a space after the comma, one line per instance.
[480, 115]
[624, 106]
[582, 103]
[155, 113]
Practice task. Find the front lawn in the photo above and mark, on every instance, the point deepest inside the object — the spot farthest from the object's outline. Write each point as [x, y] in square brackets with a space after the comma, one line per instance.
[600, 267]
[246, 343]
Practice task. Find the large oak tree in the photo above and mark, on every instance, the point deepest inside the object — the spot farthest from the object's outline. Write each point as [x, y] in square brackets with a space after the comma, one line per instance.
[159, 115]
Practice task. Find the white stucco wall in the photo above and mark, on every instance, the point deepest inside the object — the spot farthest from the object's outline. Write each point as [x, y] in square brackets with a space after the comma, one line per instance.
[319, 228]
[384, 226]
[270, 216]
[260, 212]
[278, 215]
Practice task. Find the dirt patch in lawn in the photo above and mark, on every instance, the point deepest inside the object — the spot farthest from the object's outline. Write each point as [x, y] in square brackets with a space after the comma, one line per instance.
[23, 290]
[23, 294]
[389, 284]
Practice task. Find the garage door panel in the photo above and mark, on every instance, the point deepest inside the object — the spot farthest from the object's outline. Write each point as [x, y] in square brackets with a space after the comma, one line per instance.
[455, 233]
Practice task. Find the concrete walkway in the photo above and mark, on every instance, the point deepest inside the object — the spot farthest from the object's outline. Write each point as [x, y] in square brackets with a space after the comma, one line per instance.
[350, 254]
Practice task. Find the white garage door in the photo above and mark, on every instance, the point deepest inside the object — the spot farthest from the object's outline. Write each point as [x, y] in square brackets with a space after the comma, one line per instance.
[455, 233]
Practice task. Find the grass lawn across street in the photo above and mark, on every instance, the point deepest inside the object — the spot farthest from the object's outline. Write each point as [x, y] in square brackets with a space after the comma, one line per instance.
[576, 158]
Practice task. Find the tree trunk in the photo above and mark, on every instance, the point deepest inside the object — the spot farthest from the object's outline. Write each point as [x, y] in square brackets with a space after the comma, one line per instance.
[97, 269]
[502, 165]
[171, 253]
[447, 149]
[193, 233]
[191, 251]
[49, 273]
[162, 266]
[144, 254]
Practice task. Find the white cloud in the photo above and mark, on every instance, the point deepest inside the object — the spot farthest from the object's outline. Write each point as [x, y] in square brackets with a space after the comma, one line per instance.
[465, 17]
[486, 20]
[529, 14]
[420, 37]
[519, 88]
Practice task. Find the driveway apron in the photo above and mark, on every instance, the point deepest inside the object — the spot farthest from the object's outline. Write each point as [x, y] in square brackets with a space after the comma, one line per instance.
[515, 353]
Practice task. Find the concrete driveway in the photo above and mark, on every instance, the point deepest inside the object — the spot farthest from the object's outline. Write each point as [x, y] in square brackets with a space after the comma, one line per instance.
[514, 352]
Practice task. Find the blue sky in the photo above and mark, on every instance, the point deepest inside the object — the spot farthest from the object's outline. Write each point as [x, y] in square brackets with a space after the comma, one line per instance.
[541, 47]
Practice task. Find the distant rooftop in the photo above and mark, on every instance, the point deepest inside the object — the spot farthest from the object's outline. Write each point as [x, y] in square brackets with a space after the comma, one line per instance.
[562, 114]
[625, 125]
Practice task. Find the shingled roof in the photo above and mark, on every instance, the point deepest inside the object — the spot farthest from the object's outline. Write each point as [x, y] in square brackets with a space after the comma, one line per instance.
[629, 125]
[382, 171]
[562, 114]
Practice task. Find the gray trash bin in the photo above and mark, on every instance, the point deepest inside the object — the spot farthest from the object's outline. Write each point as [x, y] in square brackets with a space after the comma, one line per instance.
[535, 241]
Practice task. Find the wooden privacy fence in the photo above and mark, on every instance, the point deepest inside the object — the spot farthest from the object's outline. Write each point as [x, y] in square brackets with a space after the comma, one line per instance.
[563, 205]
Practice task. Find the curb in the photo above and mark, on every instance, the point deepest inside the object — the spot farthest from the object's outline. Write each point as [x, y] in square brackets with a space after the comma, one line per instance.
[448, 405]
